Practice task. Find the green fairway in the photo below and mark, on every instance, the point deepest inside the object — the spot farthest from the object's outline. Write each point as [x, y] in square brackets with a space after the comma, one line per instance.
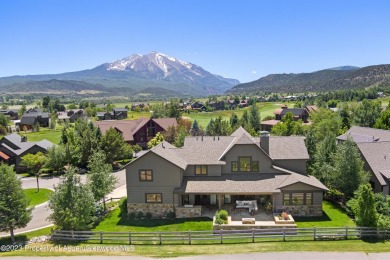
[44, 133]
[332, 217]
[37, 198]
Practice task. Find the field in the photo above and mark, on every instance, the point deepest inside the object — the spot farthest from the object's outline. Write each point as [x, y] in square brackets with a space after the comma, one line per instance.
[44, 133]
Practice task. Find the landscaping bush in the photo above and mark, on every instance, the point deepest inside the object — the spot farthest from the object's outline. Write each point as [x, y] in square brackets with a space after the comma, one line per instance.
[123, 207]
[218, 220]
[132, 215]
[223, 214]
[140, 214]
[171, 215]
[148, 215]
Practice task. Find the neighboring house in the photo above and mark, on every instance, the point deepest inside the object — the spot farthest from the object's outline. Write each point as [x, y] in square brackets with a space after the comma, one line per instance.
[13, 147]
[71, 115]
[30, 119]
[11, 113]
[217, 105]
[243, 103]
[374, 147]
[115, 114]
[138, 131]
[137, 105]
[198, 106]
[298, 114]
[213, 171]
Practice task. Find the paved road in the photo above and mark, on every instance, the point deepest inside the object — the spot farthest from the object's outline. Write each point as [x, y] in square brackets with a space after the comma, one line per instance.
[42, 212]
[260, 256]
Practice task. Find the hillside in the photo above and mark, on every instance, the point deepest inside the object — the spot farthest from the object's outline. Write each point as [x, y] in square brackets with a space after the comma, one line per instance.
[138, 72]
[323, 80]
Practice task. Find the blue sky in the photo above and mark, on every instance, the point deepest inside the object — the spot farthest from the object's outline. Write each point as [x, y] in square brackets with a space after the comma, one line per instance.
[240, 39]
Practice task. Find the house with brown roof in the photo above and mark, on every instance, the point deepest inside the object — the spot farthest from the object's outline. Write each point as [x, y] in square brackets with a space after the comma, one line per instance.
[138, 131]
[374, 147]
[223, 171]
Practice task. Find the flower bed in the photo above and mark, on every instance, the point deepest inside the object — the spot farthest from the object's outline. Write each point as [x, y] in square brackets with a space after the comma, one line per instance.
[284, 218]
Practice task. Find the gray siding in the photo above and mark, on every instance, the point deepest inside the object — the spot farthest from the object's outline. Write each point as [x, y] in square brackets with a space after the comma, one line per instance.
[252, 150]
[277, 202]
[166, 177]
[300, 187]
[317, 198]
[212, 170]
[298, 166]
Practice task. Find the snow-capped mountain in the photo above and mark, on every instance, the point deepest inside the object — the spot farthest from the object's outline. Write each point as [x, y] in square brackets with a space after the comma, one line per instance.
[138, 72]
[160, 66]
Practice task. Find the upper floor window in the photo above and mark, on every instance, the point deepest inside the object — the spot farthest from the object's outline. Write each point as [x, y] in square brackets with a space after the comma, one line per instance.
[145, 175]
[245, 164]
[200, 169]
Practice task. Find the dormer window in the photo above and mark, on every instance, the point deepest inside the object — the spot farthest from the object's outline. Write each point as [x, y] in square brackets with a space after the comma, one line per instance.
[200, 169]
[245, 164]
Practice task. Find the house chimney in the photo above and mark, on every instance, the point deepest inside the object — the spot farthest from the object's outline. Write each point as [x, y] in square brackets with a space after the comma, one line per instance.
[264, 141]
[24, 139]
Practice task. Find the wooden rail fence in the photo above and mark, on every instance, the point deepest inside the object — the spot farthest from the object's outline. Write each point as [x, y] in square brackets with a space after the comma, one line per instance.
[221, 236]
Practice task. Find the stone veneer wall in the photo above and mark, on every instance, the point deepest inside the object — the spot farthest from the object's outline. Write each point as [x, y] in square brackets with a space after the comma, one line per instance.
[157, 209]
[304, 210]
[190, 212]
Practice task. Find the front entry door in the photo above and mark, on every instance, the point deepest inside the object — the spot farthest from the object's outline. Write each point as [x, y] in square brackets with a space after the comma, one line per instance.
[202, 199]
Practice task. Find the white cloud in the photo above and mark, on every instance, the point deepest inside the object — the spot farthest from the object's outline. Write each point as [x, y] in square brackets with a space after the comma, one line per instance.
[253, 72]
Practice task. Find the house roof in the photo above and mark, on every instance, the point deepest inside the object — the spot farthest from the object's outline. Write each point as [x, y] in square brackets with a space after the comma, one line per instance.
[294, 111]
[120, 109]
[377, 156]
[270, 122]
[129, 127]
[365, 134]
[22, 147]
[245, 183]
[4, 156]
[311, 108]
[385, 174]
[288, 148]
[278, 111]
[166, 151]
[294, 178]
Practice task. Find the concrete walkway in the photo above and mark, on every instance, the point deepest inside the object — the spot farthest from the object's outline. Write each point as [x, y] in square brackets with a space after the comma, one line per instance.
[41, 212]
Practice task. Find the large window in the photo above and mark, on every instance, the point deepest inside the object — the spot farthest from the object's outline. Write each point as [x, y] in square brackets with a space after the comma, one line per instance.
[153, 197]
[245, 164]
[145, 175]
[200, 170]
[298, 198]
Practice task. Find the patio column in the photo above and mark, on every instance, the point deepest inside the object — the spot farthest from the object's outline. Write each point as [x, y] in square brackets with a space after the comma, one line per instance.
[219, 201]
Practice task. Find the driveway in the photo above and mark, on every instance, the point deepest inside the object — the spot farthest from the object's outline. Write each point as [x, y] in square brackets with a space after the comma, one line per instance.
[41, 212]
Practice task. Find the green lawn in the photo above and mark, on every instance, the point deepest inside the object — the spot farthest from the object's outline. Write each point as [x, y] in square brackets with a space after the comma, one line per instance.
[333, 217]
[37, 198]
[44, 133]
[114, 222]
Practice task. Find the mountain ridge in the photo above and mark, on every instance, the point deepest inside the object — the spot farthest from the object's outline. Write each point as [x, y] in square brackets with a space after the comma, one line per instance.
[137, 72]
[322, 80]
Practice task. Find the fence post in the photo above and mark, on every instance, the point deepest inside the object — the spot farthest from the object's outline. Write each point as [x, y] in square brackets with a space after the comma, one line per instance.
[129, 237]
[101, 237]
[159, 235]
[189, 237]
[253, 235]
[72, 235]
[284, 234]
[346, 232]
[315, 233]
[221, 236]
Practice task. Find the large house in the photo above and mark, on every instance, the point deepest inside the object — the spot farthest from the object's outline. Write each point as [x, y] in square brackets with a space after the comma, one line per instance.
[374, 147]
[138, 131]
[115, 114]
[216, 171]
[32, 118]
[11, 113]
[71, 115]
[13, 147]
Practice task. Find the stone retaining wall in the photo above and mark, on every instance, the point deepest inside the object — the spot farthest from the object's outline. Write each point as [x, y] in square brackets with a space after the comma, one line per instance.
[157, 209]
[188, 212]
[304, 210]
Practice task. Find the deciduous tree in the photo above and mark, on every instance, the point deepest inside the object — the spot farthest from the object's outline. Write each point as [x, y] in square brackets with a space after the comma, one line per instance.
[34, 162]
[13, 202]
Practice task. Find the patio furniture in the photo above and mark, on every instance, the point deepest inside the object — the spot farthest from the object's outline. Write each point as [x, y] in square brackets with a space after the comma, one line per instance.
[247, 204]
[248, 220]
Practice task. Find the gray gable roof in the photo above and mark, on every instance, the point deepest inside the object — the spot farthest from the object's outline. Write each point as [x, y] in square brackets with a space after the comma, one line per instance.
[377, 156]
[294, 111]
[22, 147]
[365, 134]
[288, 148]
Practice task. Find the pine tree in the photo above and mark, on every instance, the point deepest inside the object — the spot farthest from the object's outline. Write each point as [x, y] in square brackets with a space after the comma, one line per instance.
[254, 118]
[195, 130]
[13, 202]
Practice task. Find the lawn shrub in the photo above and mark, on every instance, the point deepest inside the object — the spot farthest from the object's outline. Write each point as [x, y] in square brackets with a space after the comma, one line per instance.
[171, 215]
[148, 215]
[140, 214]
